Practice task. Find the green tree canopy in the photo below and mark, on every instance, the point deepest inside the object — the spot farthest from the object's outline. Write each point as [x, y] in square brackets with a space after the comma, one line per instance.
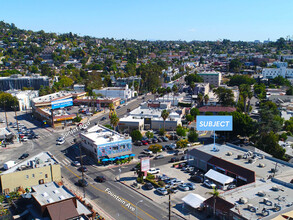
[136, 135]
[194, 112]
[225, 96]
[180, 131]
[182, 143]
[192, 136]
[237, 80]
[8, 101]
[149, 134]
[155, 148]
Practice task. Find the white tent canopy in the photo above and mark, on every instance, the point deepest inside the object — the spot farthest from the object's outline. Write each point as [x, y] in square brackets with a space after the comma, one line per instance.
[218, 177]
[193, 200]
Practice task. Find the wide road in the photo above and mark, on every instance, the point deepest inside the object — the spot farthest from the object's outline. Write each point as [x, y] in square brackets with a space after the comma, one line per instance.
[100, 193]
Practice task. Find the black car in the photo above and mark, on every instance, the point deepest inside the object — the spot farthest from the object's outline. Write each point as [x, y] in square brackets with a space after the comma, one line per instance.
[138, 143]
[148, 186]
[196, 179]
[154, 140]
[174, 159]
[23, 156]
[101, 179]
[82, 183]
[103, 118]
[83, 169]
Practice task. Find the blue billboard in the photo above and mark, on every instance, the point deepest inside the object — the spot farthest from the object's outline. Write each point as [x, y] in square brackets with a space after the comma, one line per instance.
[62, 103]
[214, 123]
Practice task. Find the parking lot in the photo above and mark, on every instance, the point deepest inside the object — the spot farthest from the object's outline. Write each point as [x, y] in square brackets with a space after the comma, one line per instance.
[168, 170]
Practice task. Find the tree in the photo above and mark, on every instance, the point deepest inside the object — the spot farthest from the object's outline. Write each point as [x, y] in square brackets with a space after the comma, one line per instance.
[243, 125]
[245, 92]
[162, 132]
[235, 66]
[289, 125]
[109, 126]
[192, 136]
[8, 101]
[136, 135]
[189, 118]
[225, 96]
[192, 78]
[65, 81]
[182, 143]
[215, 193]
[281, 81]
[206, 99]
[155, 148]
[199, 99]
[165, 115]
[268, 142]
[194, 112]
[237, 80]
[180, 131]
[149, 134]
[114, 120]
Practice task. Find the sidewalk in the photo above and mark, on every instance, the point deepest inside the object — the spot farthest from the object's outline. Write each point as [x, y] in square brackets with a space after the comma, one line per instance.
[11, 146]
[78, 191]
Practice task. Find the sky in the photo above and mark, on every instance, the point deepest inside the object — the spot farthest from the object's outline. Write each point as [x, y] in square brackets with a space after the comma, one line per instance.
[187, 20]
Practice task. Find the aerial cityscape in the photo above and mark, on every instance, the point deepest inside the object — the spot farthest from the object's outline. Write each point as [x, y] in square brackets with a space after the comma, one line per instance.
[150, 114]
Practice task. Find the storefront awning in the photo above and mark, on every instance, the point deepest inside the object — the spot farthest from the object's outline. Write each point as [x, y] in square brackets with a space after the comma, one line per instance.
[218, 177]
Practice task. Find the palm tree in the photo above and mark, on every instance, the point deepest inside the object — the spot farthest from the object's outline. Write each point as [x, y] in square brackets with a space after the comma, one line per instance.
[215, 193]
[244, 91]
[114, 120]
[206, 99]
[250, 95]
[165, 115]
[174, 89]
[200, 98]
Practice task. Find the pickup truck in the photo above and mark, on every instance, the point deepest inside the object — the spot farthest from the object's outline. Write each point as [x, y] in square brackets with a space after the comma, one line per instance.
[154, 170]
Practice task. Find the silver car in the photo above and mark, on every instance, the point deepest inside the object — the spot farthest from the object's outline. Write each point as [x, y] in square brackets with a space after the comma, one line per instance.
[183, 187]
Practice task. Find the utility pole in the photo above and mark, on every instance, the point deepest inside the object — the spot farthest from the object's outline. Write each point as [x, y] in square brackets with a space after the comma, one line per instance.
[82, 173]
[52, 115]
[16, 122]
[4, 101]
[169, 205]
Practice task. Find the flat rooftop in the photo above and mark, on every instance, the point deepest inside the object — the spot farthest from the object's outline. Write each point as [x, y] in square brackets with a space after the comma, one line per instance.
[101, 135]
[40, 160]
[56, 96]
[284, 171]
[50, 193]
[251, 194]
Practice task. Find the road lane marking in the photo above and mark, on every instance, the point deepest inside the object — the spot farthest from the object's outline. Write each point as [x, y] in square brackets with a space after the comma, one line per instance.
[131, 212]
[107, 193]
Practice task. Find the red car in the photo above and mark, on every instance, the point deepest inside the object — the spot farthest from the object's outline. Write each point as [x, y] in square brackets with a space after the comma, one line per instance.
[145, 142]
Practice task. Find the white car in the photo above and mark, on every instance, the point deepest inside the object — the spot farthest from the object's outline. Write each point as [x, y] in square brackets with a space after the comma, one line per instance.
[60, 142]
[60, 139]
[24, 139]
[154, 170]
[209, 184]
[162, 191]
[183, 187]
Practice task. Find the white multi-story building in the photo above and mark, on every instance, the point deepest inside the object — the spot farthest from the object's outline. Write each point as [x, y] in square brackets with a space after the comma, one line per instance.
[213, 78]
[270, 73]
[24, 98]
[124, 93]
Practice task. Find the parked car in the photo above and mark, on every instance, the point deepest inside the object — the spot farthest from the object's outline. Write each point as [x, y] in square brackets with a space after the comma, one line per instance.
[209, 184]
[173, 190]
[174, 159]
[183, 157]
[181, 165]
[76, 163]
[165, 139]
[196, 179]
[144, 142]
[183, 187]
[190, 185]
[82, 183]
[154, 170]
[160, 139]
[179, 153]
[103, 118]
[154, 140]
[150, 141]
[83, 169]
[162, 191]
[231, 186]
[118, 107]
[164, 177]
[138, 143]
[160, 156]
[148, 186]
[25, 155]
[24, 139]
[101, 179]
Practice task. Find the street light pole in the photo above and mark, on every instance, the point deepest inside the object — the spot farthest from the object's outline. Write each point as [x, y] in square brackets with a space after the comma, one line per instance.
[16, 123]
[5, 113]
[136, 208]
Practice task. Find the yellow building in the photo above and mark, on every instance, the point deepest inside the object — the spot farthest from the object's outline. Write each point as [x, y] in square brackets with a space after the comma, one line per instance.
[40, 169]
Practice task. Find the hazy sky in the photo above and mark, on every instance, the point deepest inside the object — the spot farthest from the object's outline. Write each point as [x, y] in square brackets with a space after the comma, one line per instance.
[155, 19]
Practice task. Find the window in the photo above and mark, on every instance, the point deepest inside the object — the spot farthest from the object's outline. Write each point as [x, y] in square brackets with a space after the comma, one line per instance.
[27, 176]
[115, 148]
[46, 175]
[33, 175]
[95, 150]
[122, 147]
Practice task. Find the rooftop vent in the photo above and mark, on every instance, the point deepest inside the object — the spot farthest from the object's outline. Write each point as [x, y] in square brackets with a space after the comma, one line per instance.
[275, 188]
[56, 191]
[44, 194]
[243, 200]
[261, 193]
[50, 200]
[61, 197]
[261, 165]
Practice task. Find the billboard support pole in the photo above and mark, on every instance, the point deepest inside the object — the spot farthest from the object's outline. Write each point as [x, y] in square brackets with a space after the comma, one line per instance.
[214, 149]
[52, 114]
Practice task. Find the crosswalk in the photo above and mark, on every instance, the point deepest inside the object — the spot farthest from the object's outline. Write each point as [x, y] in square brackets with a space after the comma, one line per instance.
[65, 162]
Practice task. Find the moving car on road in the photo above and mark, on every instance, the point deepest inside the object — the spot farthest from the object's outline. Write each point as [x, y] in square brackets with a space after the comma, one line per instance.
[82, 183]
[83, 169]
[25, 155]
[159, 156]
[101, 179]
[76, 163]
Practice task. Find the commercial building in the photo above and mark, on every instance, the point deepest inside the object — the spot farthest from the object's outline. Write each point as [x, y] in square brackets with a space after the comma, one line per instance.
[42, 107]
[79, 88]
[174, 99]
[203, 88]
[213, 78]
[216, 109]
[121, 82]
[51, 201]
[98, 102]
[24, 98]
[40, 169]
[124, 93]
[18, 81]
[101, 142]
